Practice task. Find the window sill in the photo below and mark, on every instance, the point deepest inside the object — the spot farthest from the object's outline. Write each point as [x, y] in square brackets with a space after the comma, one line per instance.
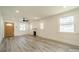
[69, 33]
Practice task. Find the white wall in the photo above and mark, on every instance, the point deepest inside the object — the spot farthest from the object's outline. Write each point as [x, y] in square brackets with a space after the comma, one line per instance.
[1, 28]
[17, 31]
[51, 28]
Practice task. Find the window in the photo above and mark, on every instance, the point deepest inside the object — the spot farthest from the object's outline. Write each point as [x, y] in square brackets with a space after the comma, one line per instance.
[31, 26]
[41, 26]
[9, 24]
[67, 24]
[22, 27]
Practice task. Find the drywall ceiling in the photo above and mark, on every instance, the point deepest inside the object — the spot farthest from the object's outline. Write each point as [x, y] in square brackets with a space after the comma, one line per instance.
[32, 12]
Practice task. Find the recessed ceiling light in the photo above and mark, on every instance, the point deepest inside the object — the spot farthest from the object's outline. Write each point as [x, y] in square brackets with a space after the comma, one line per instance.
[17, 11]
[35, 17]
[64, 6]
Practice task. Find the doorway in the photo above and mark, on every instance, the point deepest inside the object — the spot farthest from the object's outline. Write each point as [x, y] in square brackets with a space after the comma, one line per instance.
[8, 29]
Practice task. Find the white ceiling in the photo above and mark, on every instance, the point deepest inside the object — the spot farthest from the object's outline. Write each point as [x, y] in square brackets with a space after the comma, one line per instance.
[32, 12]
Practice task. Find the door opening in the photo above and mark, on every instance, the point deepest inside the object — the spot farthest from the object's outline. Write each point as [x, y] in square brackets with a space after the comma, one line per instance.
[9, 29]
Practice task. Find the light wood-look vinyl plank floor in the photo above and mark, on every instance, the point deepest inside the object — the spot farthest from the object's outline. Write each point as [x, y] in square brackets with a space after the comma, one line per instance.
[28, 43]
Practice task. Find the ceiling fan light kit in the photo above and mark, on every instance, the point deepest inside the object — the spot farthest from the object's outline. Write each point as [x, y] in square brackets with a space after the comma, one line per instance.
[25, 20]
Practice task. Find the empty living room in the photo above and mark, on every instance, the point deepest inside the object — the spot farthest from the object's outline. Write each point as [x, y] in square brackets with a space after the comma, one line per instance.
[39, 29]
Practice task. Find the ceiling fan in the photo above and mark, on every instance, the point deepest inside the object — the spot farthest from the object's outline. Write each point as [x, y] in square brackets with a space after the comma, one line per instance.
[25, 20]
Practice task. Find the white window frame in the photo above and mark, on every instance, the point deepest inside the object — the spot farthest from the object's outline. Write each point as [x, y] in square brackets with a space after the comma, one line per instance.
[41, 25]
[22, 27]
[63, 24]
